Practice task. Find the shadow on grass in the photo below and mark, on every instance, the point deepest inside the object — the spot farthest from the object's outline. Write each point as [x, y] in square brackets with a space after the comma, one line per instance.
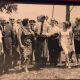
[33, 68]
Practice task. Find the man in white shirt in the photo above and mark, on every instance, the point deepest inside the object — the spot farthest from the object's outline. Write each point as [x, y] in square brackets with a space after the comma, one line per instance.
[41, 41]
[53, 44]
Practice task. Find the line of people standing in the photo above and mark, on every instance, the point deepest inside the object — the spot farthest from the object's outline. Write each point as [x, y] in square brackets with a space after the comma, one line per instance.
[22, 39]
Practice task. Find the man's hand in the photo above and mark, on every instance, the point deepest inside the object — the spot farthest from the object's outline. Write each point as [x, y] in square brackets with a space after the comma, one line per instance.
[46, 34]
[22, 46]
[2, 51]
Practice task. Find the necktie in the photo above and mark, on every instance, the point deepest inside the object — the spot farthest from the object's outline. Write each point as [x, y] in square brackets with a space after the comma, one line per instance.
[41, 29]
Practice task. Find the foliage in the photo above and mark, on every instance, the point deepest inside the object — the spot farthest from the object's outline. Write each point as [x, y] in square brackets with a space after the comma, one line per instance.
[8, 7]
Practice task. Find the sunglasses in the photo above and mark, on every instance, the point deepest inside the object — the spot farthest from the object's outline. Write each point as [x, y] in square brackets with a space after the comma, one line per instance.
[11, 19]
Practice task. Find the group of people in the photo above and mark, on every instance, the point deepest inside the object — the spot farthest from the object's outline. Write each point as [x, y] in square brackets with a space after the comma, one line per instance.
[20, 39]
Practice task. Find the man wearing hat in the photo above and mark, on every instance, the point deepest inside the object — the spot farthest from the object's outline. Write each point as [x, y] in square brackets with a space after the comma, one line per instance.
[41, 41]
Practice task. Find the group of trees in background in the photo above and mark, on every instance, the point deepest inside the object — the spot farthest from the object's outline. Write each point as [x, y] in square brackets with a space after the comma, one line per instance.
[68, 10]
[10, 7]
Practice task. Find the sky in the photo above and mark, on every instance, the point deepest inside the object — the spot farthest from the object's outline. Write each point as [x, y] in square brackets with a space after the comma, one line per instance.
[31, 11]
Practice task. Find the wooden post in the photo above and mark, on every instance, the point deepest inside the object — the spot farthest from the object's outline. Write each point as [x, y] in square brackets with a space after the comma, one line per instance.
[52, 11]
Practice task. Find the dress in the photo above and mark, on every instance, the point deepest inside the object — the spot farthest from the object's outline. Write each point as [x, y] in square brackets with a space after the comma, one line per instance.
[25, 39]
[66, 41]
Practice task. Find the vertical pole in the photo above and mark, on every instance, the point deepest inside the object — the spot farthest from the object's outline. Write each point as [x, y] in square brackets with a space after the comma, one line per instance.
[52, 11]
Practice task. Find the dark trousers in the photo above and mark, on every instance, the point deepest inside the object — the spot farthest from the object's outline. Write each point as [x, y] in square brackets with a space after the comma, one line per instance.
[33, 50]
[7, 53]
[41, 51]
[77, 48]
[1, 63]
[54, 50]
[15, 51]
[7, 59]
[1, 59]
[15, 55]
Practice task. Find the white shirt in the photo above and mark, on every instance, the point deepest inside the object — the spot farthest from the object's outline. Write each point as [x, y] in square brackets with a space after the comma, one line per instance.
[46, 27]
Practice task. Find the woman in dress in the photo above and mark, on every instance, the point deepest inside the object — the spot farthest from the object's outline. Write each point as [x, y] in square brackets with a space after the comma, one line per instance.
[67, 41]
[24, 37]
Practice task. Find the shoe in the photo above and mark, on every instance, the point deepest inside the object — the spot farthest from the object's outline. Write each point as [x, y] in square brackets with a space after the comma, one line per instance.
[26, 70]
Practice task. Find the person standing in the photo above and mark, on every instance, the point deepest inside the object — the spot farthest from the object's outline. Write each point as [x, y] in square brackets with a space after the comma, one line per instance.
[12, 23]
[53, 45]
[32, 25]
[77, 39]
[7, 45]
[16, 50]
[24, 38]
[41, 49]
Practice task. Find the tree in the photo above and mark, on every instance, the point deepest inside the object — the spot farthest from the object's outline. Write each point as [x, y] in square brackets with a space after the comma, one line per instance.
[67, 12]
[8, 7]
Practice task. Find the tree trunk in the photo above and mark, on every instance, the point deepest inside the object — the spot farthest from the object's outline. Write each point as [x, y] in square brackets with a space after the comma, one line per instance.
[67, 13]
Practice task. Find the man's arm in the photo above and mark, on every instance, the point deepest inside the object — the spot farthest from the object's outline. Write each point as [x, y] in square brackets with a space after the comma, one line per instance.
[52, 32]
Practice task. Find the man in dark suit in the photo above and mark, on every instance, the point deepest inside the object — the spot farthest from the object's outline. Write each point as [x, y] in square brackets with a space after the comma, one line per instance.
[7, 45]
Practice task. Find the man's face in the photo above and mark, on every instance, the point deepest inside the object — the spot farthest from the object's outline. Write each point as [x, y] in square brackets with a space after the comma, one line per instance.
[52, 22]
[4, 23]
[64, 25]
[32, 24]
[38, 19]
[12, 20]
